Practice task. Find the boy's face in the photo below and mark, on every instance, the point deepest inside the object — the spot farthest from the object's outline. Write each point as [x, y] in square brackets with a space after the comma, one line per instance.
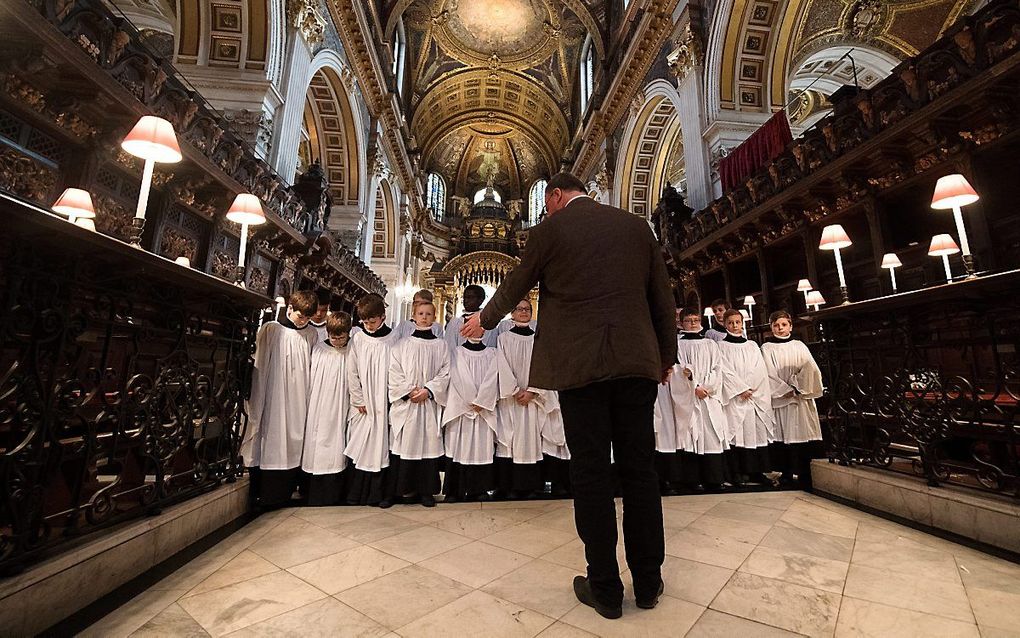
[782, 327]
[691, 323]
[719, 310]
[320, 313]
[297, 317]
[473, 300]
[339, 339]
[735, 324]
[424, 316]
[522, 312]
[373, 323]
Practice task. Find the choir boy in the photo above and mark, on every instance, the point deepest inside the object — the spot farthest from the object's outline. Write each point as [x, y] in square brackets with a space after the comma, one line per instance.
[368, 429]
[418, 381]
[323, 459]
[667, 441]
[697, 392]
[474, 297]
[717, 330]
[529, 421]
[319, 318]
[747, 401]
[405, 328]
[469, 423]
[796, 382]
[278, 405]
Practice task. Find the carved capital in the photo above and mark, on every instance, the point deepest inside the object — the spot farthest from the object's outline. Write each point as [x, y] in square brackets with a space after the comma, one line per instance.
[687, 53]
[304, 16]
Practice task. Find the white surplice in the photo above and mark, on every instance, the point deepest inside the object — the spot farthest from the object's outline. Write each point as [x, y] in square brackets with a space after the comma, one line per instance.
[416, 427]
[666, 434]
[470, 436]
[522, 431]
[368, 366]
[278, 405]
[320, 331]
[506, 324]
[328, 407]
[791, 368]
[715, 335]
[701, 423]
[454, 340]
[404, 329]
[749, 422]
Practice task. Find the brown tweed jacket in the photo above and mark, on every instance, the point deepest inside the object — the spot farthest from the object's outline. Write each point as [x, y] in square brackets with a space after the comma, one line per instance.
[606, 308]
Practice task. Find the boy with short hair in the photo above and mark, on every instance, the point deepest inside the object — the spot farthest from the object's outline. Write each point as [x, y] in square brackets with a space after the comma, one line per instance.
[667, 441]
[796, 382]
[278, 405]
[697, 391]
[405, 328]
[328, 407]
[418, 381]
[747, 398]
[474, 297]
[318, 321]
[717, 328]
[368, 434]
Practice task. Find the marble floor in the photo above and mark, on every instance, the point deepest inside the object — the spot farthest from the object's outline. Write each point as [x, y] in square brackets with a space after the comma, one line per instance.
[770, 564]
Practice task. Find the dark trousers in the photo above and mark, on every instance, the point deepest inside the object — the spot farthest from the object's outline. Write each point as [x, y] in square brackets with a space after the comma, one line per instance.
[616, 412]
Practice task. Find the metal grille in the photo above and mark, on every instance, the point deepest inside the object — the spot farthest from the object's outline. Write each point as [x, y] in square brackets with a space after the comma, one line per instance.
[39, 142]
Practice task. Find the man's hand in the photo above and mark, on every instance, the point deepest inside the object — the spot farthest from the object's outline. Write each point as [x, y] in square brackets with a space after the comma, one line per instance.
[791, 394]
[666, 374]
[688, 374]
[473, 327]
[419, 395]
[746, 395]
[362, 409]
[476, 408]
[524, 397]
[701, 393]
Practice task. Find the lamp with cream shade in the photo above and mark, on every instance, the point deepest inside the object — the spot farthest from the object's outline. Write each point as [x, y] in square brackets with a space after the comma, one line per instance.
[153, 140]
[708, 315]
[954, 191]
[749, 302]
[943, 246]
[804, 286]
[815, 298]
[891, 262]
[835, 238]
[76, 204]
[246, 211]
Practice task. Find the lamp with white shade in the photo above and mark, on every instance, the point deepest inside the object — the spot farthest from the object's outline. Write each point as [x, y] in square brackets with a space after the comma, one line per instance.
[943, 246]
[954, 191]
[805, 287]
[708, 315]
[835, 238]
[815, 298]
[749, 302]
[76, 204]
[153, 140]
[246, 211]
[891, 262]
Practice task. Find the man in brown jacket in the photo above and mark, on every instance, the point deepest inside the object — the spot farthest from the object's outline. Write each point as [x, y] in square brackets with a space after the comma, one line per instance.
[606, 335]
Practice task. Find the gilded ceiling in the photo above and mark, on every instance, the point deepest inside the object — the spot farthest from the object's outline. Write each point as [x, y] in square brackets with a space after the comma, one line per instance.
[493, 81]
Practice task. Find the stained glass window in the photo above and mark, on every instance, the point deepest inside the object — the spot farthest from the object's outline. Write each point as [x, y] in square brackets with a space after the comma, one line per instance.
[435, 195]
[536, 201]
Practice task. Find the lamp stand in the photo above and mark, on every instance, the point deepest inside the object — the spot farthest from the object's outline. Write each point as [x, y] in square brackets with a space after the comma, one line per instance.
[137, 226]
[892, 277]
[138, 223]
[807, 306]
[239, 276]
[961, 230]
[949, 272]
[242, 252]
[842, 278]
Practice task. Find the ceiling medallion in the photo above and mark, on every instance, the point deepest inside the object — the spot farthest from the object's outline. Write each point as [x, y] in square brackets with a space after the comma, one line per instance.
[497, 34]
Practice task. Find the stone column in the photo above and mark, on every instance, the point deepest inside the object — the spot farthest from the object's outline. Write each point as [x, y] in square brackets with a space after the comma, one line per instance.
[287, 126]
[687, 64]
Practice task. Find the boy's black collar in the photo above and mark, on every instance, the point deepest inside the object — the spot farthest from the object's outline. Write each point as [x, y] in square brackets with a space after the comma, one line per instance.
[426, 334]
[474, 347]
[691, 335]
[731, 339]
[775, 339]
[524, 331]
[287, 323]
[381, 332]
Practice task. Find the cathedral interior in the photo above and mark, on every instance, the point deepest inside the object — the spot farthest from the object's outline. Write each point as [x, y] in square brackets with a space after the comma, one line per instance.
[398, 145]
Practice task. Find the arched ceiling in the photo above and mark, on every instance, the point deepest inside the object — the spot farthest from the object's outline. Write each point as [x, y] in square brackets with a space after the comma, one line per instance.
[492, 79]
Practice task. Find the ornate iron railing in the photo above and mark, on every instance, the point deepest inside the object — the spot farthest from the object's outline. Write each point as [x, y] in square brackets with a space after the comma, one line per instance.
[122, 377]
[928, 383]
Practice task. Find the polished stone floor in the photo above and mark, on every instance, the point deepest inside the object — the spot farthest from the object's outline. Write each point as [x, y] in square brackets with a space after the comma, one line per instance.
[771, 564]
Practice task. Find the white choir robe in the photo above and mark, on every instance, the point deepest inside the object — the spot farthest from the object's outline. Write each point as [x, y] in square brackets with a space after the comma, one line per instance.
[405, 328]
[666, 434]
[701, 423]
[715, 334]
[415, 428]
[328, 407]
[470, 436]
[523, 430]
[454, 340]
[278, 406]
[750, 421]
[792, 368]
[320, 331]
[368, 366]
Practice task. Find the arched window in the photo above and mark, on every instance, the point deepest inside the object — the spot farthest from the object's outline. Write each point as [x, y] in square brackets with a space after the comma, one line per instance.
[480, 195]
[587, 74]
[536, 201]
[435, 195]
[399, 53]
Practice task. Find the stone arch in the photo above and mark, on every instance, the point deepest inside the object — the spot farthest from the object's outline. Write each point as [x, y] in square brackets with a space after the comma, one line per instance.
[385, 226]
[247, 35]
[650, 135]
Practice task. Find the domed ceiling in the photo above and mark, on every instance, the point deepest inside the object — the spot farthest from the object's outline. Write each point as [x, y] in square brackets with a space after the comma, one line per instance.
[491, 84]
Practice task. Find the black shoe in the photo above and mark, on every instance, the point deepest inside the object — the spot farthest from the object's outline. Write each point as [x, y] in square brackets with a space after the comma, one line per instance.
[428, 500]
[582, 589]
[650, 603]
[384, 504]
